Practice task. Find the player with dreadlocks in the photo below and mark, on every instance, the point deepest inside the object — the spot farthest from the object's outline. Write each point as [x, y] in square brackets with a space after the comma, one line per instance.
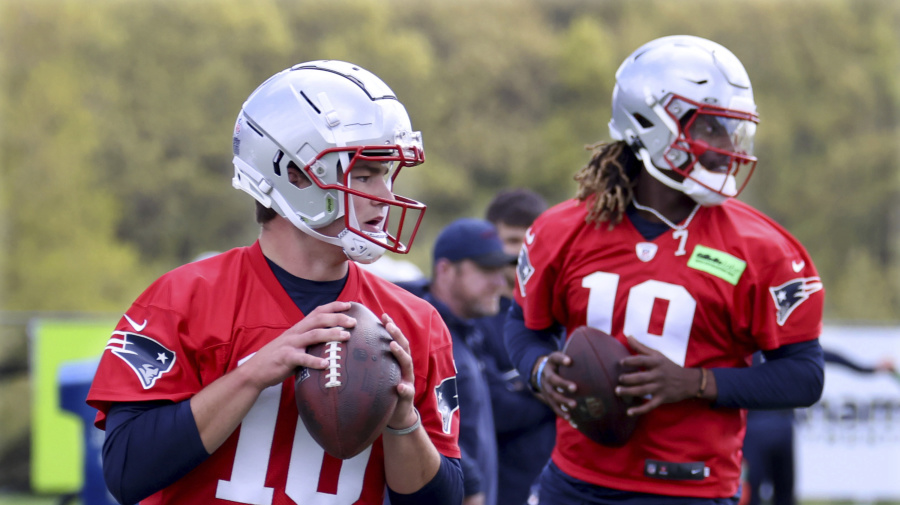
[656, 251]
[609, 178]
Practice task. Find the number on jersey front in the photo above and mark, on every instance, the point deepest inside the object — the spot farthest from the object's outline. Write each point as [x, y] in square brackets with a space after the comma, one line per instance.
[642, 311]
[313, 477]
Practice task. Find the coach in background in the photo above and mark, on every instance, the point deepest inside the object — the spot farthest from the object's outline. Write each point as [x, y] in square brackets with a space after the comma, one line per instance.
[525, 425]
[467, 279]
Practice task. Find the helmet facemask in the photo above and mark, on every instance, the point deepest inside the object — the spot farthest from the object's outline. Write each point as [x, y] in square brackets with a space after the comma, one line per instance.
[401, 217]
[712, 149]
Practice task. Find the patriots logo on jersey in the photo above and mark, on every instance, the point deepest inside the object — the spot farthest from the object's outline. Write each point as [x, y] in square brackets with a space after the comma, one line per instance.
[791, 294]
[447, 400]
[148, 358]
[524, 270]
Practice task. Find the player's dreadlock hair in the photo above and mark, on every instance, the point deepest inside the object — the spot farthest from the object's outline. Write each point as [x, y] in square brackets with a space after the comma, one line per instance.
[610, 177]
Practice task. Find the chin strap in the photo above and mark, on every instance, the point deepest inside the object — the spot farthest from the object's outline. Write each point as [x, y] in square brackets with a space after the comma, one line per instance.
[355, 247]
[697, 190]
[656, 172]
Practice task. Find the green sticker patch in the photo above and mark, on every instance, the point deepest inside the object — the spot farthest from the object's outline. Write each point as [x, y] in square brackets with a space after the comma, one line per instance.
[718, 263]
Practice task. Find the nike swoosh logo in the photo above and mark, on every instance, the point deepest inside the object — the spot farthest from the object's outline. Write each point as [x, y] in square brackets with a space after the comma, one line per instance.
[798, 265]
[529, 236]
[137, 327]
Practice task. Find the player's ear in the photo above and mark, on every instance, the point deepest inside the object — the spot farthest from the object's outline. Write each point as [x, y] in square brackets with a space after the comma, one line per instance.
[441, 267]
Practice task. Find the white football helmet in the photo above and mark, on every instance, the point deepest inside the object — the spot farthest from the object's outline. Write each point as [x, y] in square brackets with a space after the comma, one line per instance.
[324, 116]
[685, 105]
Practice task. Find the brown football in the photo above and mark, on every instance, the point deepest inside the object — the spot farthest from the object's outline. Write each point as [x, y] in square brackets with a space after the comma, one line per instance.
[346, 406]
[600, 414]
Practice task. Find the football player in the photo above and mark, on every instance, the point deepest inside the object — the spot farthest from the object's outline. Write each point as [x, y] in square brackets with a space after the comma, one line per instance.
[656, 251]
[195, 387]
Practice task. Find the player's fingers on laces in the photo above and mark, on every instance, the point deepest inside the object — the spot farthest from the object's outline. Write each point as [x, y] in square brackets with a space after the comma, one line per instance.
[323, 320]
[302, 359]
[319, 335]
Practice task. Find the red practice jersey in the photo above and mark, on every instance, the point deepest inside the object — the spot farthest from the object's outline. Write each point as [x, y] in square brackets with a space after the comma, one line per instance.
[709, 296]
[204, 319]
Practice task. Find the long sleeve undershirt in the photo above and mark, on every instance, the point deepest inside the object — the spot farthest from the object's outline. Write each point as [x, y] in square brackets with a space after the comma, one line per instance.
[792, 376]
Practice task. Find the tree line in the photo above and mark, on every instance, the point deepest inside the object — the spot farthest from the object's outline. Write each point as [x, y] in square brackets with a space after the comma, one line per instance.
[116, 116]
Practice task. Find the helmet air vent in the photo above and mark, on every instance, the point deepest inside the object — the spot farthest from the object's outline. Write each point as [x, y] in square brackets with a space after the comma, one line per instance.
[644, 122]
[276, 162]
[310, 103]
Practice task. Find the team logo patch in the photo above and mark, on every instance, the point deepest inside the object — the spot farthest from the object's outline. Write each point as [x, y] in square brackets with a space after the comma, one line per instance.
[148, 358]
[447, 400]
[524, 270]
[718, 263]
[646, 251]
[791, 294]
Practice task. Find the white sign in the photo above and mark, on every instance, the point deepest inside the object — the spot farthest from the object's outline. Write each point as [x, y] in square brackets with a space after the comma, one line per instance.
[848, 444]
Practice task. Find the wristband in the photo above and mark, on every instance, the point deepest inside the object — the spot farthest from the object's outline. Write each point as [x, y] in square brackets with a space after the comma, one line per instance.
[703, 373]
[540, 372]
[406, 431]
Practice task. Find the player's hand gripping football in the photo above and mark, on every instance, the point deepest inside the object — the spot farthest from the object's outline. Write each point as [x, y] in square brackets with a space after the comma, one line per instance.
[404, 414]
[280, 358]
[658, 377]
[554, 389]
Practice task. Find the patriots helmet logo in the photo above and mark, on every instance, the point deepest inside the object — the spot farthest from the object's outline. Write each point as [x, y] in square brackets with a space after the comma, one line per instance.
[791, 294]
[447, 400]
[148, 358]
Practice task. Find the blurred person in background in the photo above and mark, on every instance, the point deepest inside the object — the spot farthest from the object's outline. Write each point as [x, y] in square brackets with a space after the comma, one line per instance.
[394, 270]
[656, 251]
[769, 441]
[526, 426]
[468, 276]
[196, 386]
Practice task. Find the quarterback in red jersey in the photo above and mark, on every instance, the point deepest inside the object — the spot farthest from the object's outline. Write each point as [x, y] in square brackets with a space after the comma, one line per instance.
[195, 387]
[655, 251]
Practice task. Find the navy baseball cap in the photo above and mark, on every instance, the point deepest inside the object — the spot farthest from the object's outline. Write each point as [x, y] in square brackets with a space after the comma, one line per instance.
[472, 239]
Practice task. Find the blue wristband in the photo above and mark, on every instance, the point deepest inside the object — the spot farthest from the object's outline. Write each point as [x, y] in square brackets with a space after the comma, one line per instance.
[540, 372]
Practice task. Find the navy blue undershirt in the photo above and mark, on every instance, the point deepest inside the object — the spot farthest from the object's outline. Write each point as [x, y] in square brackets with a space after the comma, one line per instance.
[792, 376]
[164, 443]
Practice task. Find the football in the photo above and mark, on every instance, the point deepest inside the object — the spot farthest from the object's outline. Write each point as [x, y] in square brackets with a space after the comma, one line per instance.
[600, 414]
[346, 406]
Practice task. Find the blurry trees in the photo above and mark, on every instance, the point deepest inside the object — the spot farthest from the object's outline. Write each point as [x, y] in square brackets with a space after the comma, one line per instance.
[116, 118]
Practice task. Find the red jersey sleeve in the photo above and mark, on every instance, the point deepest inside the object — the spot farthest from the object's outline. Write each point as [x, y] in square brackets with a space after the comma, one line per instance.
[540, 264]
[437, 399]
[784, 301]
[145, 357]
